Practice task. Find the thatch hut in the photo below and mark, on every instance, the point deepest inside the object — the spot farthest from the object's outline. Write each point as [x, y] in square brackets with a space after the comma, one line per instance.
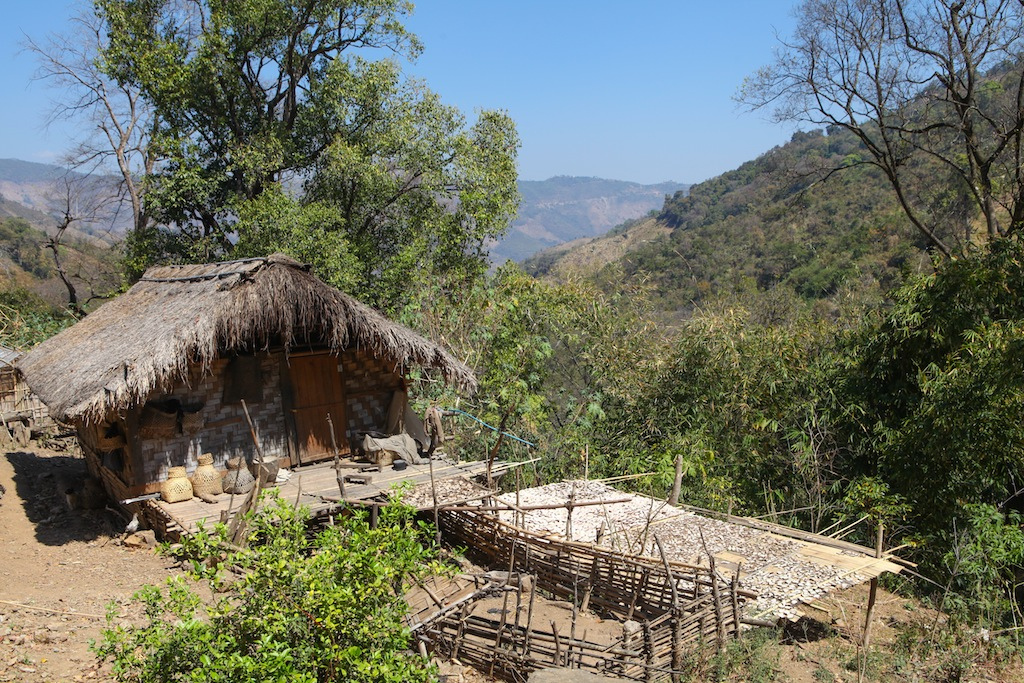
[158, 376]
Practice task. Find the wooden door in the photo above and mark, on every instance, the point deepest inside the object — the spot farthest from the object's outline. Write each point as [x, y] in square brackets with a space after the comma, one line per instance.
[316, 384]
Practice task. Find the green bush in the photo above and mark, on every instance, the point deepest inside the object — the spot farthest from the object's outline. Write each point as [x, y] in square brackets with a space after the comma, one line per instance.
[289, 607]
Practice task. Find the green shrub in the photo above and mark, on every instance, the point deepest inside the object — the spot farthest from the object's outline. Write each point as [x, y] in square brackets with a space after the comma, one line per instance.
[289, 607]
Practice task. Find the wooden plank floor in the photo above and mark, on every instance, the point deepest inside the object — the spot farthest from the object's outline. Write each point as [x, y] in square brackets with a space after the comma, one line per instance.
[316, 487]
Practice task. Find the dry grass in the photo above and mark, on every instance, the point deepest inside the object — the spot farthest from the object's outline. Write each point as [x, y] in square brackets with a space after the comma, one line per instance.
[179, 316]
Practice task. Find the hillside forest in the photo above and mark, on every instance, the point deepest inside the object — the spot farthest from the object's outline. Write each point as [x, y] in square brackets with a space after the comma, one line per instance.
[831, 333]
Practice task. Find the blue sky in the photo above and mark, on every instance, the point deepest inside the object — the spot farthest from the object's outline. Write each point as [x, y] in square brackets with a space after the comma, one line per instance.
[636, 90]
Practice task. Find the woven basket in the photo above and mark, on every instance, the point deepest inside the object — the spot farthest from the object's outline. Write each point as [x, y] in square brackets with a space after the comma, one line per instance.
[238, 479]
[206, 478]
[192, 422]
[177, 487]
[157, 424]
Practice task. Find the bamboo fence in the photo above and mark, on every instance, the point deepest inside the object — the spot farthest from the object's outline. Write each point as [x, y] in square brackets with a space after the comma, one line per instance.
[668, 609]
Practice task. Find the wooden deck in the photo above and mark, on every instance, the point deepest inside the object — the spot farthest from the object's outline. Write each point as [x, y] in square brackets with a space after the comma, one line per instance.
[316, 487]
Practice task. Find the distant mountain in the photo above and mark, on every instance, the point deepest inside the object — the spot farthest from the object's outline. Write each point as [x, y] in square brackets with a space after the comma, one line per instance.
[778, 221]
[38, 193]
[566, 208]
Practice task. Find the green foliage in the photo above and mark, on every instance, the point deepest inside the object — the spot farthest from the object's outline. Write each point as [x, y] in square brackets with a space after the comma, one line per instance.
[23, 244]
[753, 658]
[545, 354]
[935, 389]
[739, 399]
[334, 158]
[870, 497]
[26, 320]
[781, 221]
[984, 554]
[289, 607]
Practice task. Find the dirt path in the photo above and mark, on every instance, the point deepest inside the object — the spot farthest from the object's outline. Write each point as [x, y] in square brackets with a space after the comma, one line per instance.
[59, 569]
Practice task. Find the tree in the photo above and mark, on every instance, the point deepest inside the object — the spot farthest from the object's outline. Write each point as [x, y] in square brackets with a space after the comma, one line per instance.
[119, 124]
[273, 122]
[935, 391]
[933, 89]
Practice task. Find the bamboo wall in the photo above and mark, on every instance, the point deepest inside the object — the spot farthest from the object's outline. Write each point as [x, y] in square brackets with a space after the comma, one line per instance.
[17, 400]
[223, 430]
[369, 384]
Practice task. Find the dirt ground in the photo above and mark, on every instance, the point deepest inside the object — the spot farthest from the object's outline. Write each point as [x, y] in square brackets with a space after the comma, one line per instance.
[59, 569]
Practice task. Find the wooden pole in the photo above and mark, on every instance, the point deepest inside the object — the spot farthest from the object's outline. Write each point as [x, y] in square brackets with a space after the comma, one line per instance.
[238, 526]
[648, 650]
[677, 631]
[529, 616]
[872, 596]
[677, 482]
[252, 431]
[337, 459]
[433, 495]
[497, 445]
[719, 616]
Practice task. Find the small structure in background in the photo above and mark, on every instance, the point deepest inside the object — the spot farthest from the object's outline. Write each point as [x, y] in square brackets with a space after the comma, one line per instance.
[21, 411]
[254, 359]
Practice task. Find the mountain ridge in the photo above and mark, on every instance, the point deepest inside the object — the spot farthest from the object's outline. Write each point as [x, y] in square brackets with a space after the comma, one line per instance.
[784, 219]
[565, 208]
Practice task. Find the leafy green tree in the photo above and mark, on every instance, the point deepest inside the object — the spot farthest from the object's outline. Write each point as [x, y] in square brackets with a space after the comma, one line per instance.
[546, 354]
[289, 607]
[741, 402]
[933, 393]
[275, 129]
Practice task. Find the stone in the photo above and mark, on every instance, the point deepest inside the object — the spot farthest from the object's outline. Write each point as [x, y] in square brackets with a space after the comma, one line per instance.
[449, 672]
[141, 539]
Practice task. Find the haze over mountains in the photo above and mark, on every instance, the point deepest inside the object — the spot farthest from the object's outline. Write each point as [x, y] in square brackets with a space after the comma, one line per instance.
[552, 212]
[771, 222]
[565, 208]
[40, 193]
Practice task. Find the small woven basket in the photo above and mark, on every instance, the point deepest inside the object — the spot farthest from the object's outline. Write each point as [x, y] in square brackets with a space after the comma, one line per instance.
[238, 479]
[192, 422]
[206, 479]
[383, 457]
[177, 487]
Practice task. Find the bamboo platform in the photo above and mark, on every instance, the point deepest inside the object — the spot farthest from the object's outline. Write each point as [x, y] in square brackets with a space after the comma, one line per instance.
[316, 487]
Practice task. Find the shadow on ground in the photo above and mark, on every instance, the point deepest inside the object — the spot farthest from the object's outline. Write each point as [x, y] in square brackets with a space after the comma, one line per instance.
[47, 485]
[806, 630]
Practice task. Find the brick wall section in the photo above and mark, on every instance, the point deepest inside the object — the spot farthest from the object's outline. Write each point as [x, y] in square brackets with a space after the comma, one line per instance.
[369, 385]
[225, 432]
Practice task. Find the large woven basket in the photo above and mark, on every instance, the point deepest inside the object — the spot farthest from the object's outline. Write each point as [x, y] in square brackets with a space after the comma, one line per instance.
[177, 487]
[206, 479]
[157, 424]
[192, 422]
[110, 443]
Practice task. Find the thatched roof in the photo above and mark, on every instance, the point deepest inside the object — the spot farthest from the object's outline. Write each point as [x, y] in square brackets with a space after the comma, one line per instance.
[176, 316]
